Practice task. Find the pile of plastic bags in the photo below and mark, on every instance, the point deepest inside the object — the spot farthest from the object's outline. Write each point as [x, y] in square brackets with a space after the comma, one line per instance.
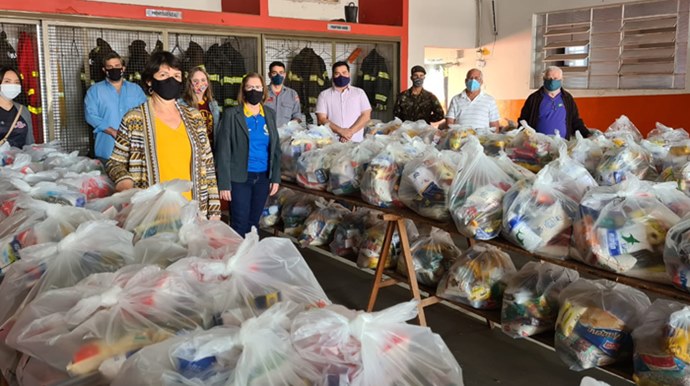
[321, 223]
[294, 144]
[313, 166]
[432, 256]
[530, 149]
[348, 166]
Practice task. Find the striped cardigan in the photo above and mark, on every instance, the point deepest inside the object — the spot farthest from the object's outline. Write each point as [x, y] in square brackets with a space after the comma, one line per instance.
[134, 156]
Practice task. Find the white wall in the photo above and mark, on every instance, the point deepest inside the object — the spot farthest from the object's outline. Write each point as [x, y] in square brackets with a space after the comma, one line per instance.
[309, 9]
[199, 5]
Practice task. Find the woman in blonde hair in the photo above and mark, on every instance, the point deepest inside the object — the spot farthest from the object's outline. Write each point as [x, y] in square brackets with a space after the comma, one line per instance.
[198, 94]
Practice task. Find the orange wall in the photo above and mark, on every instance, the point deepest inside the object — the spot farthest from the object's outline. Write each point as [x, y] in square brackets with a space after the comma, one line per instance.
[643, 111]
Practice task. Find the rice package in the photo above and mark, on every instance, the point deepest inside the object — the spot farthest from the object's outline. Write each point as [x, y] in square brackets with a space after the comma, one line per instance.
[662, 344]
[595, 322]
[539, 217]
[321, 223]
[372, 245]
[301, 142]
[476, 194]
[623, 127]
[530, 149]
[157, 209]
[677, 254]
[624, 159]
[622, 229]
[588, 151]
[426, 181]
[313, 166]
[379, 348]
[295, 212]
[432, 256]
[530, 300]
[381, 179]
[477, 277]
[348, 166]
[270, 216]
[349, 234]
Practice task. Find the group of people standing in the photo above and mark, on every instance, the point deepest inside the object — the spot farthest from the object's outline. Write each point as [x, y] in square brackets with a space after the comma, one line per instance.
[171, 128]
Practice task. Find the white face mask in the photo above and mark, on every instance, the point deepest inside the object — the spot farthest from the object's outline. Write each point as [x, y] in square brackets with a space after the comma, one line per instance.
[10, 90]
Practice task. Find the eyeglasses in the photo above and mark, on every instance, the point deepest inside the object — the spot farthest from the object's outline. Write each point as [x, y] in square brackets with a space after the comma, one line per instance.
[250, 88]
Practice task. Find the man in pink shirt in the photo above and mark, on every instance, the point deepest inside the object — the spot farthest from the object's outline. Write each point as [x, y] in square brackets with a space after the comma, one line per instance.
[345, 108]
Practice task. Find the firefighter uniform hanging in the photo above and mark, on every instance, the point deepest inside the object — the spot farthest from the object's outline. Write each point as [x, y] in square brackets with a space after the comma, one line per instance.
[308, 76]
[375, 80]
[27, 63]
[234, 70]
[138, 57]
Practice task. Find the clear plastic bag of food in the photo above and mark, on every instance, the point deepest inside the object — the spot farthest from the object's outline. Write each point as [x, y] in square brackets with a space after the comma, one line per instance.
[622, 229]
[372, 245]
[295, 212]
[92, 184]
[595, 322]
[72, 162]
[624, 159]
[347, 168]
[531, 149]
[419, 129]
[321, 223]
[588, 151]
[678, 156]
[79, 333]
[349, 234]
[477, 277]
[379, 348]
[513, 170]
[270, 217]
[301, 142]
[476, 194]
[157, 209]
[530, 300]
[677, 254]
[425, 183]
[623, 127]
[206, 238]
[661, 354]
[432, 257]
[313, 167]
[663, 134]
[569, 176]
[258, 275]
[53, 193]
[670, 195]
[113, 205]
[381, 179]
[40, 151]
[539, 217]
[455, 137]
[381, 128]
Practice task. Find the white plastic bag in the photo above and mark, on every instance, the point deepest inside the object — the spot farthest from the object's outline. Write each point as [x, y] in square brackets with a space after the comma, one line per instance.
[312, 170]
[588, 151]
[677, 254]
[595, 321]
[531, 149]
[624, 159]
[157, 209]
[206, 238]
[622, 127]
[425, 183]
[476, 277]
[432, 256]
[530, 300]
[348, 166]
[349, 233]
[302, 142]
[270, 217]
[372, 246]
[92, 184]
[569, 176]
[321, 223]
[477, 192]
[295, 212]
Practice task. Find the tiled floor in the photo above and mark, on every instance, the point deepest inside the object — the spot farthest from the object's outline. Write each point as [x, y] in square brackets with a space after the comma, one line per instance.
[487, 356]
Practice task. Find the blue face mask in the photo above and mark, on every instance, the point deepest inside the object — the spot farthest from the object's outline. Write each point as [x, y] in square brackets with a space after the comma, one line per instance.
[277, 79]
[341, 81]
[552, 84]
[472, 85]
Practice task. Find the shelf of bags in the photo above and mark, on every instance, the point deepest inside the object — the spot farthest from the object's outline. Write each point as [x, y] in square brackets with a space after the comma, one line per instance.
[665, 290]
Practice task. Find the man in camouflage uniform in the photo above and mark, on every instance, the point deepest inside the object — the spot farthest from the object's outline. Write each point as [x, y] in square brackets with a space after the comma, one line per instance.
[417, 103]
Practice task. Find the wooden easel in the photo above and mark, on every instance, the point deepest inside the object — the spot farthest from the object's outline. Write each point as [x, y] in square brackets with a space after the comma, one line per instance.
[396, 222]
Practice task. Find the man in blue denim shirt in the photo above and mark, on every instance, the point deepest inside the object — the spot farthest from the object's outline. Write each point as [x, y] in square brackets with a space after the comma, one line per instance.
[107, 102]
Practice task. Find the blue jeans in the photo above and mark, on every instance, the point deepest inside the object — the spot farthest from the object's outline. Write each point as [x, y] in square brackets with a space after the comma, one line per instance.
[248, 202]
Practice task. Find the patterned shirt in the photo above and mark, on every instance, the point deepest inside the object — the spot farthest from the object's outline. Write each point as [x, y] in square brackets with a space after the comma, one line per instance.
[205, 111]
[477, 113]
[410, 107]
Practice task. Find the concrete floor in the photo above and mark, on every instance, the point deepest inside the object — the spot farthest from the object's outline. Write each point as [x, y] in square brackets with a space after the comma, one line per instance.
[487, 356]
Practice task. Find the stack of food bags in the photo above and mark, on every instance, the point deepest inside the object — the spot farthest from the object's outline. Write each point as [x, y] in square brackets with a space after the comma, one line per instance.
[360, 349]
[662, 341]
[313, 166]
[626, 158]
[432, 256]
[569, 176]
[372, 245]
[425, 183]
[622, 229]
[677, 254]
[538, 217]
[419, 129]
[476, 277]
[206, 238]
[295, 212]
[588, 151]
[321, 223]
[477, 192]
[349, 233]
[455, 137]
[513, 170]
[93, 184]
[270, 216]
[301, 142]
[595, 322]
[530, 149]
[348, 166]
[382, 178]
[530, 300]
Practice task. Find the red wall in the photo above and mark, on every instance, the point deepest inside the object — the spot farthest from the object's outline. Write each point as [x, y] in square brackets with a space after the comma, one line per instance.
[643, 111]
[385, 12]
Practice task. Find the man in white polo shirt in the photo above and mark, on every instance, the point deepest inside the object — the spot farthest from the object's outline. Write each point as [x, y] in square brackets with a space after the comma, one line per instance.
[345, 108]
[473, 108]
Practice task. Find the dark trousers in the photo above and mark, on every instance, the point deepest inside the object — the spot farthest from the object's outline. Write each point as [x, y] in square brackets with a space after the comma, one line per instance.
[248, 202]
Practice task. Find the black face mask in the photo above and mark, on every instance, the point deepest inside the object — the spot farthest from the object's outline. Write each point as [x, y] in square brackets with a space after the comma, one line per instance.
[114, 74]
[167, 89]
[253, 97]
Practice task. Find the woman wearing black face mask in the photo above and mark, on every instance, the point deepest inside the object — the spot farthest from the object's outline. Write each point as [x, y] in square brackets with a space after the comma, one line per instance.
[161, 141]
[247, 155]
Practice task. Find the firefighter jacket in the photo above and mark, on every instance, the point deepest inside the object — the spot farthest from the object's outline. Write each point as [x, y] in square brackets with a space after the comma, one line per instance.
[308, 76]
[234, 70]
[214, 67]
[194, 56]
[8, 56]
[375, 80]
[138, 57]
[27, 61]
